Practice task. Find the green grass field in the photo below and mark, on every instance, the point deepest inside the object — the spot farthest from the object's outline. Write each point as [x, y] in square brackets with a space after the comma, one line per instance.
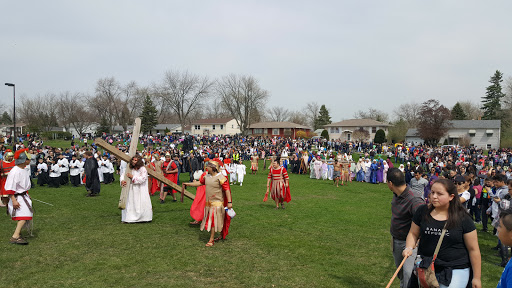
[326, 237]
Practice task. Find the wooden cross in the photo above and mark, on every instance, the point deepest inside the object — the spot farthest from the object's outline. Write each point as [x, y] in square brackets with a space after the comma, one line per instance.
[133, 149]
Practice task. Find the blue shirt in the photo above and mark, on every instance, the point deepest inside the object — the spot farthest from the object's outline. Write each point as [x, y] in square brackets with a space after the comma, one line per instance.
[506, 277]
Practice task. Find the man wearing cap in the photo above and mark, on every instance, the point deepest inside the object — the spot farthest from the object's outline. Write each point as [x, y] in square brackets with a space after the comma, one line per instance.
[6, 165]
[16, 186]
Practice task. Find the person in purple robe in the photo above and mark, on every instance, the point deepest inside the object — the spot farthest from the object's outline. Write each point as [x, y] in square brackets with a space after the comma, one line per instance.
[373, 172]
[380, 171]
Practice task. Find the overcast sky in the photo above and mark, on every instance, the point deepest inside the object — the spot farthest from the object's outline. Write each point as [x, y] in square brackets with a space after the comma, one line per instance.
[349, 55]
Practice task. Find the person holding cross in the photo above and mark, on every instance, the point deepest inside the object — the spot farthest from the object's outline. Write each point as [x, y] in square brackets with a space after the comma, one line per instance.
[138, 205]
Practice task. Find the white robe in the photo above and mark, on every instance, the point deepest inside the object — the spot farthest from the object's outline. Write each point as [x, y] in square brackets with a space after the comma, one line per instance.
[240, 172]
[18, 180]
[138, 204]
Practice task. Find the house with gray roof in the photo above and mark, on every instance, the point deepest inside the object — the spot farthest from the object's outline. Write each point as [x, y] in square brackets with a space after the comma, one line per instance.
[345, 129]
[483, 134]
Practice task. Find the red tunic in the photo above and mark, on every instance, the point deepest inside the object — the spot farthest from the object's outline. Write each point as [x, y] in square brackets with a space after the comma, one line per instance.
[171, 176]
[5, 168]
[278, 190]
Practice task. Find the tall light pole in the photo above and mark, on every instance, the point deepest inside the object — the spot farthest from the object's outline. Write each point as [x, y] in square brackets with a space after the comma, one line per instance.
[13, 114]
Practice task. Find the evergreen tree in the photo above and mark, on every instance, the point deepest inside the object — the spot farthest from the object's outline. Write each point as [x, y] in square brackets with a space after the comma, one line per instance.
[491, 103]
[148, 116]
[380, 137]
[325, 134]
[323, 118]
[6, 118]
[458, 113]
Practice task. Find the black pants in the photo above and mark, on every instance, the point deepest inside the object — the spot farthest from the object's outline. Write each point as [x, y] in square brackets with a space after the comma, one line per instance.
[54, 182]
[43, 178]
[64, 179]
[106, 178]
[485, 217]
[75, 180]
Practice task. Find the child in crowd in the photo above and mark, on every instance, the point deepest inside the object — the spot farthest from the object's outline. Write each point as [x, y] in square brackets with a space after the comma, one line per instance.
[54, 174]
[240, 172]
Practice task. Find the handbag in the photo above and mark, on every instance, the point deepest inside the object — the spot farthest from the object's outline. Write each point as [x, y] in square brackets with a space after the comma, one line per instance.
[427, 277]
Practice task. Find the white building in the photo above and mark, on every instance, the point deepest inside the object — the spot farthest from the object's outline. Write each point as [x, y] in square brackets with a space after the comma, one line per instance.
[345, 129]
[483, 134]
[218, 126]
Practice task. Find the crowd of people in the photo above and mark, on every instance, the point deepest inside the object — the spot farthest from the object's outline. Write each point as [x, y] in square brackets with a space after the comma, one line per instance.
[435, 189]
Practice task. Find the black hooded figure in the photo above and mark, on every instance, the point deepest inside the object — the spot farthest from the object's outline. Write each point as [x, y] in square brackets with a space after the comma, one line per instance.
[92, 180]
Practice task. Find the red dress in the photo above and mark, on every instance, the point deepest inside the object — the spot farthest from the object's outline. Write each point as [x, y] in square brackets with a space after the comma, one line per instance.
[278, 191]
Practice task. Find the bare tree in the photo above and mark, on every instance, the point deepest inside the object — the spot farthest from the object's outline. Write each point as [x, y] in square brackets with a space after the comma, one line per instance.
[312, 110]
[472, 110]
[72, 112]
[372, 113]
[215, 109]
[298, 117]
[183, 93]
[243, 98]
[361, 134]
[508, 92]
[409, 112]
[39, 112]
[107, 103]
[278, 114]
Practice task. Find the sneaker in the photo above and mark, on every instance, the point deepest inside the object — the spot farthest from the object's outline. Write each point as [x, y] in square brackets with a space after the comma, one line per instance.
[240, 184]
[162, 201]
[19, 241]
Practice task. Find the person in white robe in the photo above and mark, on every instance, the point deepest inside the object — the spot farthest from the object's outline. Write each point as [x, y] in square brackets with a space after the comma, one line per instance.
[16, 186]
[138, 203]
[241, 170]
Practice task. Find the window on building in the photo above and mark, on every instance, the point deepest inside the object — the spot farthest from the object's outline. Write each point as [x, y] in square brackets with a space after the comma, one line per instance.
[258, 131]
[221, 126]
[349, 137]
[213, 127]
[489, 146]
[337, 130]
[197, 127]
[374, 129]
[275, 131]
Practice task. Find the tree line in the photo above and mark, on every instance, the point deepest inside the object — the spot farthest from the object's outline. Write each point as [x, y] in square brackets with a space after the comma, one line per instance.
[181, 97]
[432, 119]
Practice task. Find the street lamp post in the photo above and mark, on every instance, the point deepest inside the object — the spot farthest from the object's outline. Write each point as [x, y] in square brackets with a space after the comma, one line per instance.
[13, 113]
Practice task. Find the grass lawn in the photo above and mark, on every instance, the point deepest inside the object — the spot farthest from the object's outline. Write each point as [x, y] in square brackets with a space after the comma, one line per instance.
[326, 237]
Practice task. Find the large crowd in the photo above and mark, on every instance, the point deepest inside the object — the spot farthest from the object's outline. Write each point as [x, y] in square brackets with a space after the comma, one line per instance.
[479, 180]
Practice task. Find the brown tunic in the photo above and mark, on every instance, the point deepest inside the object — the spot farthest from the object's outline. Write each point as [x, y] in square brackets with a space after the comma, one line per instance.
[214, 209]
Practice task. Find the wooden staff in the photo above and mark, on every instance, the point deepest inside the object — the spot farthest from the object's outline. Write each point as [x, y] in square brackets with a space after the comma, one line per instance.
[396, 272]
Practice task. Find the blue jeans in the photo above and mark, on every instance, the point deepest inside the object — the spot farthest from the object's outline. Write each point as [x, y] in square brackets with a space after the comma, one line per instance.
[460, 278]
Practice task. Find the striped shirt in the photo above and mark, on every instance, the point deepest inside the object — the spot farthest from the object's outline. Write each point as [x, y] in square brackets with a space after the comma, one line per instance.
[402, 210]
